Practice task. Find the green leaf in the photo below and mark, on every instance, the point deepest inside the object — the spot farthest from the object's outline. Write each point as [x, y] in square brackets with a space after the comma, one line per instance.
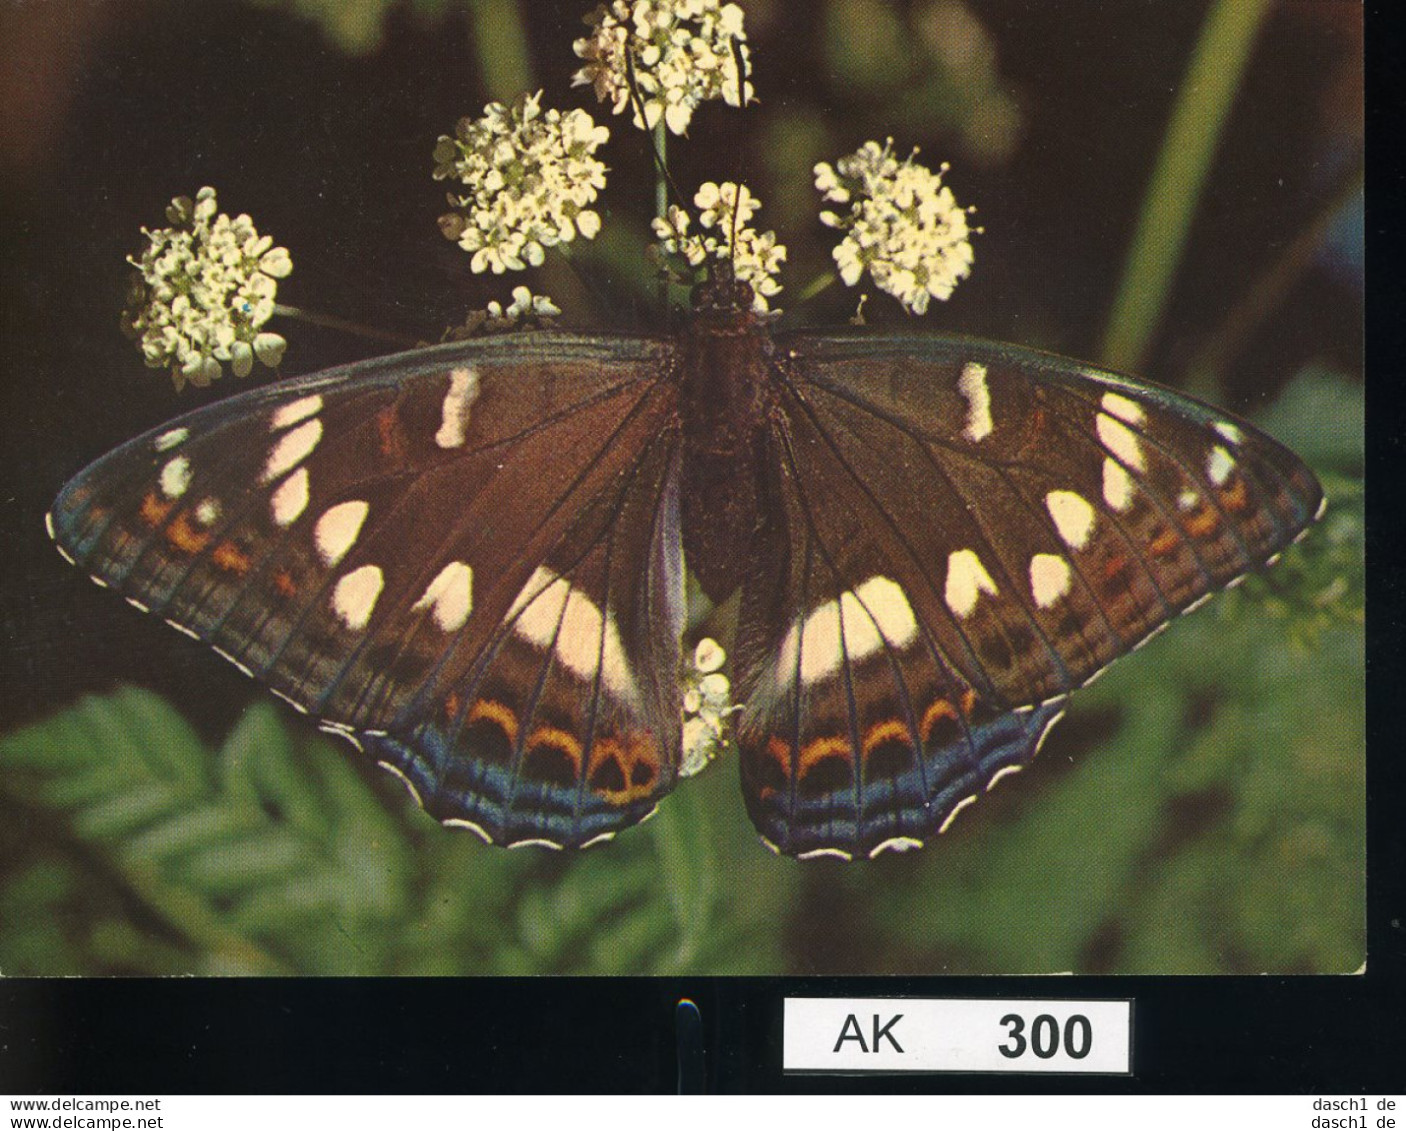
[225, 849]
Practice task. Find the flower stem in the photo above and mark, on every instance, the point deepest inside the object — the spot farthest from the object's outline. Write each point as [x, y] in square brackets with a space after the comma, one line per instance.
[661, 196]
[1217, 66]
[819, 285]
[331, 322]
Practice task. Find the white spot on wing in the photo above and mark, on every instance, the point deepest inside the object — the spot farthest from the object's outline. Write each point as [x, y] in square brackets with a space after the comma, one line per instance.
[460, 823]
[1219, 464]
[817, 853]
[450, 595]
[291, 498]
[1119, 439]
[409, 785]
[786, 659]
[336, 531]
[1049, 579]
[342, 731]
[895, 844]
[454, 414]
[887, 604]
[291, 449]
[208, 512]
[873, 612]
[1117, 485]
[821, 650]
[175, 477]
[1073, 517]
[290, 701]
[1196, 604]
[1228, 431]
[355, 594]
[285, 416]
[1044, 734]
[1156, 632]
[548, 601]
[967, 579]
[537, 842]
[243, 667]
[168, 440]
[1123, 408]
[952, 816]
[1003, 772]
[537, 608]
[972, 385]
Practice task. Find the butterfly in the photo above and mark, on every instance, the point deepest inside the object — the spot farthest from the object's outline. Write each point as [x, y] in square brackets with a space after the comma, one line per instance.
[470, 559]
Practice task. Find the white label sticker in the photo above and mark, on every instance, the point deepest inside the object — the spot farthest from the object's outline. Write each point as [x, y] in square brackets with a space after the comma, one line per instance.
[957, 1035]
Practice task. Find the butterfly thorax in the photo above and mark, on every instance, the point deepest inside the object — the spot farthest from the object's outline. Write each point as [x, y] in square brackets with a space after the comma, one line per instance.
[726, 396]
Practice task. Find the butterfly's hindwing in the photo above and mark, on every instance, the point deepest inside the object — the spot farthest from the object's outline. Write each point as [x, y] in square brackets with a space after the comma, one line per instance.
[364, 541]
[858, 736]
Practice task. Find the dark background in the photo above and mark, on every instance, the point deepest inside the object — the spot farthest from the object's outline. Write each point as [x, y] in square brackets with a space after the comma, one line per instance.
[113, 108]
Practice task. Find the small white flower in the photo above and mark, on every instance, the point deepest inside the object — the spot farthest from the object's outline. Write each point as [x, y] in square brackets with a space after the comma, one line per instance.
[903, 226]
[526, 311]
[706, 706]
[756, 258]
[684, 53]
[203, 290]
[529, 176]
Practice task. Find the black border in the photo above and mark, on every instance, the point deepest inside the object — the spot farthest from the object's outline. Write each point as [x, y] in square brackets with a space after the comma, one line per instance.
[401, 1036]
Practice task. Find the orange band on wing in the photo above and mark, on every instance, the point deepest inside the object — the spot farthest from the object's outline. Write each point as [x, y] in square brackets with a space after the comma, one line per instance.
[499, 713]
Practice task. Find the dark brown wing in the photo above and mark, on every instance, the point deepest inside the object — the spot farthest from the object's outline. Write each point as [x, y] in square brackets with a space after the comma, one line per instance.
[464, 558]
[971, 532]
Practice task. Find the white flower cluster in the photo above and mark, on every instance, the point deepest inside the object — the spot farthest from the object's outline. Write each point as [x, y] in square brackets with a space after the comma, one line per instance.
[903, 225]
[682, 52]
[756, 258]
[204, 288]
[707, 702]
[525, 311]
[530, 175]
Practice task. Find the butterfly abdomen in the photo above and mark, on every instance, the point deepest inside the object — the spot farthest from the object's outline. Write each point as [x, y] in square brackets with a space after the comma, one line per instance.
[725, 399]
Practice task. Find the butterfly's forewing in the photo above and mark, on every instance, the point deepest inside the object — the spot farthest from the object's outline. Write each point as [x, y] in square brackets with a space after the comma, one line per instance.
[465, 558]
[973, 531]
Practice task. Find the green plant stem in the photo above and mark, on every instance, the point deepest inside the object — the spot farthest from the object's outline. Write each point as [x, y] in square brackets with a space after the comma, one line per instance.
[819, 285]
[500, 43]
[661, 183]
[1217, 66]
[331, 322]
[661, 196]
[681, 836]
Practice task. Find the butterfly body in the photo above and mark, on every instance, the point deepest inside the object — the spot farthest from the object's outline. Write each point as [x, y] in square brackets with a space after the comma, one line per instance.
[470, 560]
[727, 393]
